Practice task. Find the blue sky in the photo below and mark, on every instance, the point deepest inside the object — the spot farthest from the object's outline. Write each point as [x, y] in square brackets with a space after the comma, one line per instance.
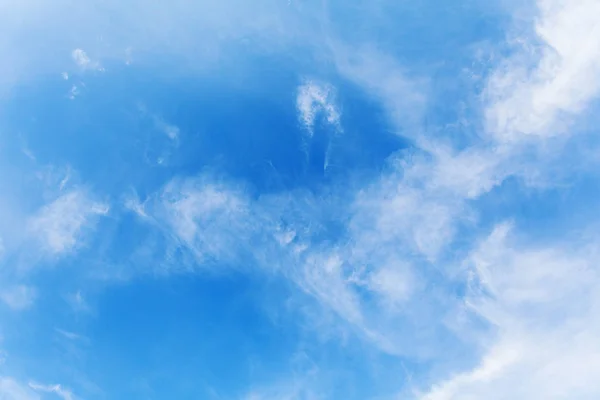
[299, 200]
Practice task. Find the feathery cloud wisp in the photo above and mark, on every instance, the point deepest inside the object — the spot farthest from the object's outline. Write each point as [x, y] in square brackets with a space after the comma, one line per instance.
[315, 99]
[59, 225]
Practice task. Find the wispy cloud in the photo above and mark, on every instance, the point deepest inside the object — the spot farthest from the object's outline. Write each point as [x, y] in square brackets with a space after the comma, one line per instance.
[404, 95]
[390, 271]
[58, 390]
[366, 278]
[71, 335]
[301, 384]
[551, 78]
[192, 32]
[542, 303]
[77, 302]
[171, 131]
[539, 298]
[315, 99]
[13, 390]
[211, 218]
[284, 391]
[59, 225]
[83, 61]
[18, 297]
[382, 255]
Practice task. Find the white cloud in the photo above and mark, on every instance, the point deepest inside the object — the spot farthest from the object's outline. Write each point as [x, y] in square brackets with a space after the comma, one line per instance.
[467, 174]
[77, 302]
[414, 211]
[380, 75]
[323, 276]
[74, 92]
[71, 335]
[171, 131]
[395, 211]
[60, 224]
[314, 99]
[369, 278]
[159, 149]
[12, 390]
[57, 389]
[193, 32]
[394, 284]
[207, 221]
[540, 100]
[82, 60]
[302, 384]
[218, 221]
[542, 303]
[18, 297]
[402, 223]
[290, 391]
[210, 218]
[132, 202]
[400, 227]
